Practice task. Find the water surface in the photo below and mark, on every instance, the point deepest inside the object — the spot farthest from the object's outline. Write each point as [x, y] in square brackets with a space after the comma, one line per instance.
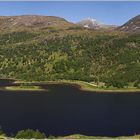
[64, 110]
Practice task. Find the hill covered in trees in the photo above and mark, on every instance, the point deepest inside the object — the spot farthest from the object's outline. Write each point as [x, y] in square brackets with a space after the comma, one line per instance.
[70, 52]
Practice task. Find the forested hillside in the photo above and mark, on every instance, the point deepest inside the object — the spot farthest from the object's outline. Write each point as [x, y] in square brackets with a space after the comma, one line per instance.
[73, 53]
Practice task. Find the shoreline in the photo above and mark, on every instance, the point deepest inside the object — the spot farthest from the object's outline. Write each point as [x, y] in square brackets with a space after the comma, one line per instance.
[81, 85]
[85, 86]
[78, 136]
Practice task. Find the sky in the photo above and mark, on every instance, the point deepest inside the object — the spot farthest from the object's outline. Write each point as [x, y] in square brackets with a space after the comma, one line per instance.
[108, 12]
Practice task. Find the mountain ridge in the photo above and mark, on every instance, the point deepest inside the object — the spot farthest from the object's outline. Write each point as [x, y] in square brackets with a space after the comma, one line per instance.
[42, 21]
[7, 22]
[132, 25]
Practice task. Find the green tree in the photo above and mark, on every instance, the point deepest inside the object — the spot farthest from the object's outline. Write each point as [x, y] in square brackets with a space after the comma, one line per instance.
[29, 133]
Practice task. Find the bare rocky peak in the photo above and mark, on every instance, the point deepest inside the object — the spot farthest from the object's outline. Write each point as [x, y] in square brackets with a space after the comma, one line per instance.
[31, 21]
[133, 25]
[90, 23]
[93, 24]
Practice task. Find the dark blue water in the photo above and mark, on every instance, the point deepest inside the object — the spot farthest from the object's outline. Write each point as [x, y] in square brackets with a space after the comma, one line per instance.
[65, 110]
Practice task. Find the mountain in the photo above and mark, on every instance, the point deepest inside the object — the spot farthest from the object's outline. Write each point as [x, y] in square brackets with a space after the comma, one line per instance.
[133, 25]
[94, 24]
[32, 21]
[55, 49]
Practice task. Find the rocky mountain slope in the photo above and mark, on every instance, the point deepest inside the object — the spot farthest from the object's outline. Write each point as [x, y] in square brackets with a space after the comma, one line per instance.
[133, 25]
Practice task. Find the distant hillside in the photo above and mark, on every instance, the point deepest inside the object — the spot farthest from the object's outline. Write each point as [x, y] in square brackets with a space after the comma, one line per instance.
[133, 25]
[62, 50]
[32, 21]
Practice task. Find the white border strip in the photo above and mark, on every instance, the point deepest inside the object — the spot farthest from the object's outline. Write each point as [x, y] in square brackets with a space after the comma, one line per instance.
[67, 0]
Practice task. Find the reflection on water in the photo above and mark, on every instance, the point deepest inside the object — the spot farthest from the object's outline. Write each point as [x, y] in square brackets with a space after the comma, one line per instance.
[65, 110]
[4, 82]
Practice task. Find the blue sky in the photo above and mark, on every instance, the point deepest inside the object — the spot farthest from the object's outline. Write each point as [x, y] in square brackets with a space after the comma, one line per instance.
[110, 12]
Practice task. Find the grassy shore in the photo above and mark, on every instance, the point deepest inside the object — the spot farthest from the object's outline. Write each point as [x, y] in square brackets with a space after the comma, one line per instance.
[78, 136]
[86, 86]
[30, 88]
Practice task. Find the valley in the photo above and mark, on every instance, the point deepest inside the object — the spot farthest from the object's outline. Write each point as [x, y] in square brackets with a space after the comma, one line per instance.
[33, 52]
[69, 70]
